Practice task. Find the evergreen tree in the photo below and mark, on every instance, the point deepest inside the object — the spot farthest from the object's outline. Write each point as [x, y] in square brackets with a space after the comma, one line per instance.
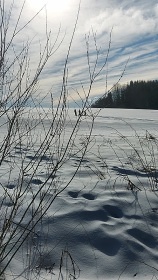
[137, 95]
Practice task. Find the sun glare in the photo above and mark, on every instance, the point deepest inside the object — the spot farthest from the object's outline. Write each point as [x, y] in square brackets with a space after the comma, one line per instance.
[56, 7]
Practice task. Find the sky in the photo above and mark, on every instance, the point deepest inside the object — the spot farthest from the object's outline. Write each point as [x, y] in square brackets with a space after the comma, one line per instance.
[130, 28]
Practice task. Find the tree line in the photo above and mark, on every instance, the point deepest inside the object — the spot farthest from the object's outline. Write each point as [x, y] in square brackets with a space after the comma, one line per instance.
[134, 95]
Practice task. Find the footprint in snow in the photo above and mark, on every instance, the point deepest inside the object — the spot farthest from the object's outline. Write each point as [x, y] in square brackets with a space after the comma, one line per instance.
[73, 194]
[113, 211]
[10, 186]
[89, 196]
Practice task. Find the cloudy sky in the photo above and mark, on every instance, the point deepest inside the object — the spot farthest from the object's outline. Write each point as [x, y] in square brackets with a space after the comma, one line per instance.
[133, 26]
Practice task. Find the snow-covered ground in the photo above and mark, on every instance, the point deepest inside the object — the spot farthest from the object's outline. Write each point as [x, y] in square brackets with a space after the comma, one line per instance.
[104, 225]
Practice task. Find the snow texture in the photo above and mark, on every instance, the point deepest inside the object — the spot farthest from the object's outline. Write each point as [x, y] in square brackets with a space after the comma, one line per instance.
[105, 223]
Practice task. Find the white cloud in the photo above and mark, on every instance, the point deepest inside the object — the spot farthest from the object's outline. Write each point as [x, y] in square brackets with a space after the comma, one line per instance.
[134, 35]
[126, 23]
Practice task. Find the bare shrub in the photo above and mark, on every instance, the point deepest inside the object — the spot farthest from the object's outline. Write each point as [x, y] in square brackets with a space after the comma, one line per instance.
[136, 159]
[34, 140]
